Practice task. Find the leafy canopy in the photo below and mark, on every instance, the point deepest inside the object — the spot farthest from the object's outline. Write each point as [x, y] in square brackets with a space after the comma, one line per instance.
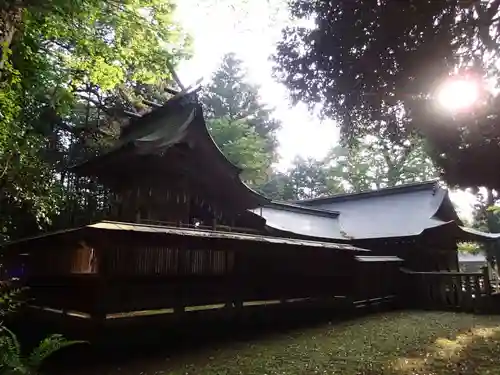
[374, 163]
[374, 67]
[307, 178]
[62, 65]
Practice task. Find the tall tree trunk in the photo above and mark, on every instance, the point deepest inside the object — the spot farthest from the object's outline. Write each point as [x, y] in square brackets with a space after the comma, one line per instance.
[492, 249]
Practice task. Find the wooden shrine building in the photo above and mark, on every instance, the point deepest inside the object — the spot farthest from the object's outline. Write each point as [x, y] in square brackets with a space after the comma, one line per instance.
[177, 229]
[416, 222]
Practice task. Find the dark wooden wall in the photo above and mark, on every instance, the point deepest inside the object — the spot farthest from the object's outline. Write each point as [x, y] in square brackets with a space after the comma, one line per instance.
[427, 252]
[109, 272]
[176, 201]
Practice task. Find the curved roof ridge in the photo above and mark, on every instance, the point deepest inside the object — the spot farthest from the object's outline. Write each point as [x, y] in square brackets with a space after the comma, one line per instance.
[129, 133]
[207, 133]
[415, 186]
[307, 210]
[145, 135]
[232, 165]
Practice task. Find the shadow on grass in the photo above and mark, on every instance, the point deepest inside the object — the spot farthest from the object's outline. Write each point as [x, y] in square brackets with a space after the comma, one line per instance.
[475, 351]
[146, 342]
[395, 343]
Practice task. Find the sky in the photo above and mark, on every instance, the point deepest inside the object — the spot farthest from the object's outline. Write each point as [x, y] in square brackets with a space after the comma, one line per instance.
[251, 31]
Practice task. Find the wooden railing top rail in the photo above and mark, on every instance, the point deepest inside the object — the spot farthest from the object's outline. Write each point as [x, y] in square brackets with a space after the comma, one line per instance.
[218, 227]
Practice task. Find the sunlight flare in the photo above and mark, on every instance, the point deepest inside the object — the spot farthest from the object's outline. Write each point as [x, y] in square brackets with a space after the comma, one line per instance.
[458, 95]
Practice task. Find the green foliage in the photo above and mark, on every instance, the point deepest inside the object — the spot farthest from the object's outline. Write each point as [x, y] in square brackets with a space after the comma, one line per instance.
[240, 124]
[26, 183]
[12, 362]
[63, 66]
[494, 209]
[373, 68]
[279, 187]
[486, 216]
[230, 95]
[11, 298]
[109, 43]
[375, 163]
[469, 248]
[307, 178]
[242, 145]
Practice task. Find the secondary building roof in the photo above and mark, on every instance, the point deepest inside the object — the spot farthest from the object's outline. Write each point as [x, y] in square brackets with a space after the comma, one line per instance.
[293, 219]
[402, 211]
[471, 258]
[114, 226]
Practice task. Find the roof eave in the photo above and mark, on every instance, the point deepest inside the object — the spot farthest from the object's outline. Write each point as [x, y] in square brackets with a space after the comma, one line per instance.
[371, 193]
[471, 234]
[286, 206]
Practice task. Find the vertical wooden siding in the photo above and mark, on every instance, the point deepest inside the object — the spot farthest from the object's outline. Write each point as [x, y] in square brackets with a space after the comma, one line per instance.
[167, 261]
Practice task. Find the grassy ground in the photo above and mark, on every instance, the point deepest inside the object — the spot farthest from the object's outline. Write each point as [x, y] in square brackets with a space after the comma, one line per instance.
[393, 343]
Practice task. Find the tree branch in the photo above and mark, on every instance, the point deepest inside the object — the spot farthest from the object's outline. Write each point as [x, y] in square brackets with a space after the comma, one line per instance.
[7, 163]
[485, 21]
[99, 105]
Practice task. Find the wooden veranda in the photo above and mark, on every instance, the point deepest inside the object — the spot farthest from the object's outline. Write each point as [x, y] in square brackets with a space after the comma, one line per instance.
[111, 268]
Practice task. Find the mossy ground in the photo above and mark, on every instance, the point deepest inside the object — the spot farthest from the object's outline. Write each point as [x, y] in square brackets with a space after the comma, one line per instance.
[391, 343]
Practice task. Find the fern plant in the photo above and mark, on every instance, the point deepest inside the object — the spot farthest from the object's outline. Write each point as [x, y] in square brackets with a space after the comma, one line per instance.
[10, 297]
[12, 362]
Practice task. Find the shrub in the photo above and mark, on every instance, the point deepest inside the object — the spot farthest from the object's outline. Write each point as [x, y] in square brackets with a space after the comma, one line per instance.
[12, 361]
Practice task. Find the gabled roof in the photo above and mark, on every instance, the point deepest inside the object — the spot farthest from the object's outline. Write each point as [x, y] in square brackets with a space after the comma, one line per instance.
[174, 133]
[404, 188]
[401, 211]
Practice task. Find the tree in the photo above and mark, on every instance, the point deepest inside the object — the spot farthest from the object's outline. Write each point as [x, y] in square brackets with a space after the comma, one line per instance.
[485, 215]
[467, 146]
[376, 163]
[373, 67]
[230, 96]
[307, 179]
[96, 41]
[486, 218]
[278, 187]
[243, 146]
[469, 248]
[62, 67]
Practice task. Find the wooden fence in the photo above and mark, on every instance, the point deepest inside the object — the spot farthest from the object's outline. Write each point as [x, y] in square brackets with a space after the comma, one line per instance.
[467, 292]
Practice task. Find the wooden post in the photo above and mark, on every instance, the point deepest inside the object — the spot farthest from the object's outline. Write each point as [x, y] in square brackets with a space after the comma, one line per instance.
[468, 293]
[100, 290]
[486, 276]
[477, 291]
[188, 208]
